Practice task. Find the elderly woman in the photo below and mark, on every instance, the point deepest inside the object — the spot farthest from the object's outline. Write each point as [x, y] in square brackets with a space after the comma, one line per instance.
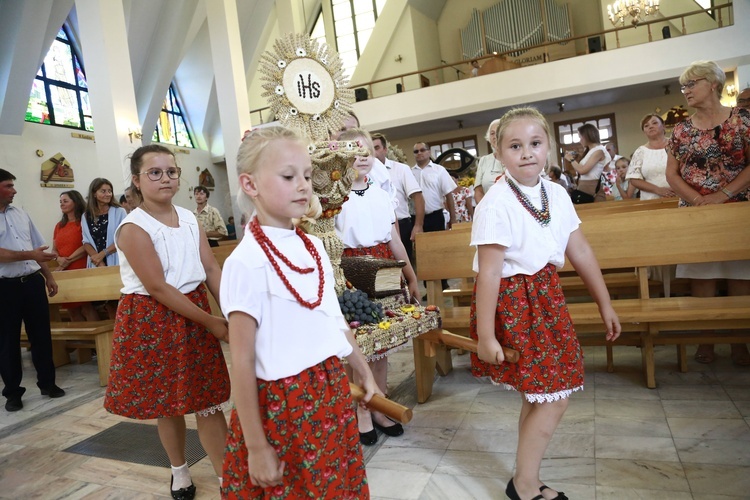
[490, 168]
[591, 166]
[648, 166]
[707, 163]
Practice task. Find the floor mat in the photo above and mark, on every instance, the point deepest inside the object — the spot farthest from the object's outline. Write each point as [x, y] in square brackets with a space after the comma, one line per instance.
[135, 443]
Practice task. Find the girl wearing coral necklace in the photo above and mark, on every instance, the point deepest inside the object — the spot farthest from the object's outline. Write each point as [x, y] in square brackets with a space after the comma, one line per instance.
[523, 229]
[293, 432]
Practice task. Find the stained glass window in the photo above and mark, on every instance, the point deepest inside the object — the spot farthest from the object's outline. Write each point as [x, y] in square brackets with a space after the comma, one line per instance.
[59, 93]
[171, 127]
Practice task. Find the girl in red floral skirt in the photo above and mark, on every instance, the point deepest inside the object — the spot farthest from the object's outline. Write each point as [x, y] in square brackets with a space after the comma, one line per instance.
[367, 226]
[523, 229]
[166, 356]
[293, 433]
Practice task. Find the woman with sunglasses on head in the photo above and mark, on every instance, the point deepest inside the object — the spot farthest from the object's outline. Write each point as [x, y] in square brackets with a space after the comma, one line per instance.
[167, 361]
[707, 163]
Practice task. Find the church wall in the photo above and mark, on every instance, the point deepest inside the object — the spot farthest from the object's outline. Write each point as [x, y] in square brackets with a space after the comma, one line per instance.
[17, 155]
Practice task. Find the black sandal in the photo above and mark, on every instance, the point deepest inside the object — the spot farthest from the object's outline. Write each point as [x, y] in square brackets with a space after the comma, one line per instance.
[510, 492]
[560, 494]
[187, 493]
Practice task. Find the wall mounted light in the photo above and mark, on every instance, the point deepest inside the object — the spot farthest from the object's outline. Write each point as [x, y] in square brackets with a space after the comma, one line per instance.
[135, 133]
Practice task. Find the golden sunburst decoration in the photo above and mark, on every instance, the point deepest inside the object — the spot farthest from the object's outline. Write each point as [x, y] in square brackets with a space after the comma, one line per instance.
[305, 87]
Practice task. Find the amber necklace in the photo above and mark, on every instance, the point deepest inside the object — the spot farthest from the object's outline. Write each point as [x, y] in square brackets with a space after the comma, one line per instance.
[270, 250]
[541, 216]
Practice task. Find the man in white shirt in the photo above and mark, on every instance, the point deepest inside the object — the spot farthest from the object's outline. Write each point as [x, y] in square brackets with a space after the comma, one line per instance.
[25, 281]
[437, 188]
[405, 187]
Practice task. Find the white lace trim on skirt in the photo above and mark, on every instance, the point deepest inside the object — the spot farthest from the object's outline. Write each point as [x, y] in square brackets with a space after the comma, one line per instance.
[213, 409]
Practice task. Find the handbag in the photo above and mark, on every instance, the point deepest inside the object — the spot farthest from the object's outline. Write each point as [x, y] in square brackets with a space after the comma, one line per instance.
[580, 197]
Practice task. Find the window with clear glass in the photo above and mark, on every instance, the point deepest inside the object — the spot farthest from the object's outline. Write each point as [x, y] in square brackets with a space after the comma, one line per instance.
[172, 127]
[353, 22]
[59, 93]
[567, 133]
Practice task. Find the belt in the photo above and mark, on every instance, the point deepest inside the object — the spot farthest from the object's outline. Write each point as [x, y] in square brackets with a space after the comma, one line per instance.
[22, 279]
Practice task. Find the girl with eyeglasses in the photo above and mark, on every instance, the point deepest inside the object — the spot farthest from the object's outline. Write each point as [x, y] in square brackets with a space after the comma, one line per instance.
[707, 163]
[167, 360]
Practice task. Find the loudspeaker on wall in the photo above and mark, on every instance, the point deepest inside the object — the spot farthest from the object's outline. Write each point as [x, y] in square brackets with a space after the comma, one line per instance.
[595, 44]
[665, 33]
[360, 94]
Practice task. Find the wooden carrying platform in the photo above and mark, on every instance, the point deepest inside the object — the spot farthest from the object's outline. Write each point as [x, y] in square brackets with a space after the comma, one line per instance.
[629, 240]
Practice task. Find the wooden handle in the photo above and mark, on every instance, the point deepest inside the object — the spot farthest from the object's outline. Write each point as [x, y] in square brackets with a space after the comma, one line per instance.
[466, 343]
[391, 409]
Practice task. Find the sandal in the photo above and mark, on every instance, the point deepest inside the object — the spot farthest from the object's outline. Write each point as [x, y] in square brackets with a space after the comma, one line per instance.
[560, 494]
[740, 355]
[705, 354]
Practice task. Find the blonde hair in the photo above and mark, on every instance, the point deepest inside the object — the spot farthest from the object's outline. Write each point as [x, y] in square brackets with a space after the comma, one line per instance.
[356, 133]
[250, 154]
[525, 113]
[705, 69]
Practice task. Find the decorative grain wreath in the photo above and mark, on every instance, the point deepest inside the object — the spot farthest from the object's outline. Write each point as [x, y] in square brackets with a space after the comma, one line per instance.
[305, 86]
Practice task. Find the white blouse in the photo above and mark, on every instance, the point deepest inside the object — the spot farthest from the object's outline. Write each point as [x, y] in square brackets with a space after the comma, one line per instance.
[596, 171]
[489, 171]
[365, 221]
[501, 219]
[649, 165]
[178, 249]
[290, 338]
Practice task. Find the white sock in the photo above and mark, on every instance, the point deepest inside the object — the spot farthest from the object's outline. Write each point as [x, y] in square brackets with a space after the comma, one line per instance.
[221, 481]
[181, 477]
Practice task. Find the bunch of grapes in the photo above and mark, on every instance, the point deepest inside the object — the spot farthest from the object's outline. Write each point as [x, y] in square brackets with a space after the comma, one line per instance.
[356, 306]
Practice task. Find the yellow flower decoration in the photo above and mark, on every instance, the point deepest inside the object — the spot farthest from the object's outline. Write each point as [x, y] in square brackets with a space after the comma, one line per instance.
[384, 325]
[407, 308]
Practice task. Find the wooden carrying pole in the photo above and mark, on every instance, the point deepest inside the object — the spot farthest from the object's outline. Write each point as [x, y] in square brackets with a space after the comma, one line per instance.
[466, 343]
[389, 408]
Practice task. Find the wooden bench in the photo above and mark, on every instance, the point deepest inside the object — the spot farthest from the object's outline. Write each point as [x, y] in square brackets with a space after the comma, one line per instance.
[84, 285]
[664, 237]
[89, 285]
[620, 284]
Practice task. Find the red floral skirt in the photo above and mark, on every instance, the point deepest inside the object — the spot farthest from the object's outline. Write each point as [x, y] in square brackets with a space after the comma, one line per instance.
[381, 250]
[310, 421]
[532, 318]
[163, 364]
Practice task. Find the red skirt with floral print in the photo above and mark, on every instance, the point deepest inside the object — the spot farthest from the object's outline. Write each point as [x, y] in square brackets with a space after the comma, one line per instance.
[163, 364]
[532, 318]
[310, 421]
[381, 250]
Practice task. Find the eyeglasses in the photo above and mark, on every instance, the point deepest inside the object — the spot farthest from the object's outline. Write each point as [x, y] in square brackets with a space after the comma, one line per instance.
[690, 84]
[155, 174]
[422, 150]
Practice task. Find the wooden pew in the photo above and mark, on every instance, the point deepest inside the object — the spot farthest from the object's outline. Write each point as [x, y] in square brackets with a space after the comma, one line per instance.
[686, 235]
[621, 283]
[89, 285]
[84, 285]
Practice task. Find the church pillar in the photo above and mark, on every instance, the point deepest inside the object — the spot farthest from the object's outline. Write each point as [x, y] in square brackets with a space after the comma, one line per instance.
[104, 44]
[231, 86]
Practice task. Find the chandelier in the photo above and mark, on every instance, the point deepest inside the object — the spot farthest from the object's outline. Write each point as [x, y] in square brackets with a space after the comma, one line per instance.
[621, 9]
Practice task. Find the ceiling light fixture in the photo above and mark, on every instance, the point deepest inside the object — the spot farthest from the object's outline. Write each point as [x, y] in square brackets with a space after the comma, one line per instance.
[621, 9]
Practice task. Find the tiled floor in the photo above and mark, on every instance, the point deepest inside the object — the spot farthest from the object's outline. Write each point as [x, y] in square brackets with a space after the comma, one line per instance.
[688, 439]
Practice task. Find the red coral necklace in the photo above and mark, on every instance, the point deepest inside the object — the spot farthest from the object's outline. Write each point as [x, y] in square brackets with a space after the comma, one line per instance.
[270, 250]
